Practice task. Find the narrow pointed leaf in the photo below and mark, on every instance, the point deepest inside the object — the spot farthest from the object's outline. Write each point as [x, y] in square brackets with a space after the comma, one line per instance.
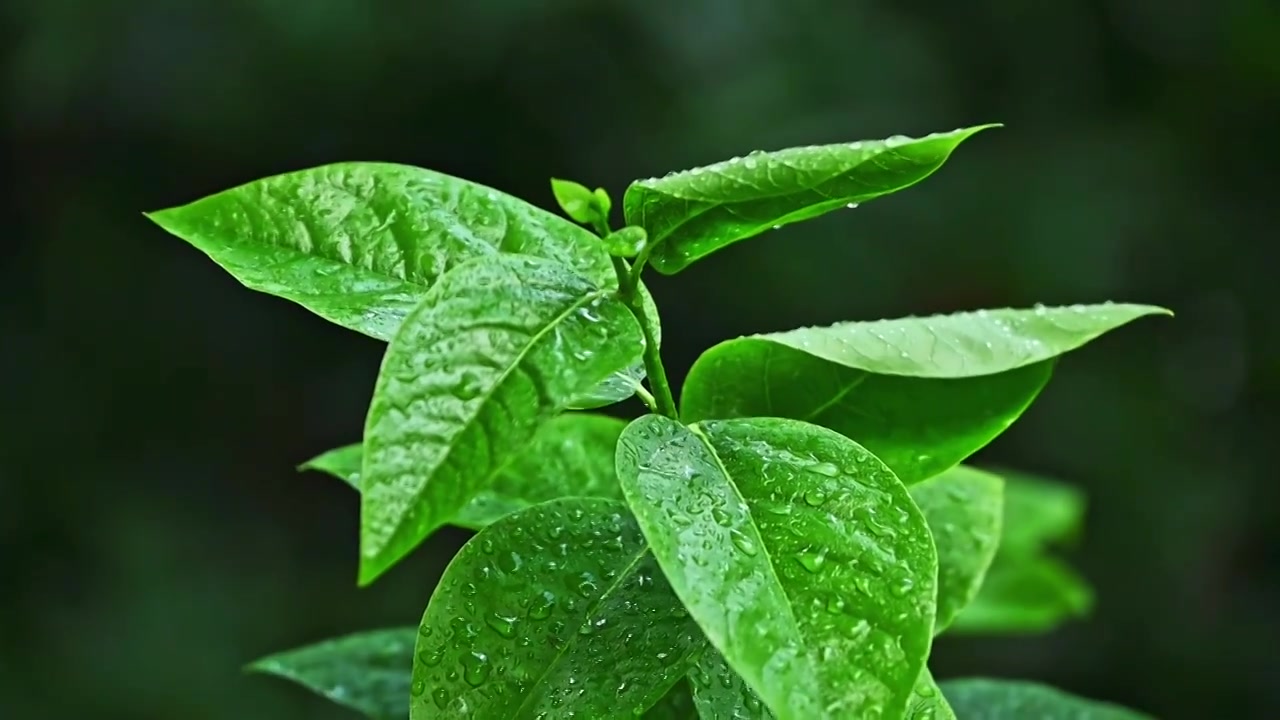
[571, 456]
[800, 555]
[984, 699]
[720, 693]
[1022, 596]
[963, 508]
[558, 610]
[927, 701]
[360, 243]
[694, 213]
[497, 348]
[922, 394]
[367, 671]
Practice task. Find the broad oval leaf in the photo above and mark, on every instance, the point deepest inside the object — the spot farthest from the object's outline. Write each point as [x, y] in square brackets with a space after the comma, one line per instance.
[366, 671]
[963, 508]
[800, 555]
[1023, 596]
[1039, 512]
[694, 213]
[497, 348]
[922, 394]
[989, 699]
[360, 243]
[557, 610]
[571, 456]
[927, 701]
[720, 693]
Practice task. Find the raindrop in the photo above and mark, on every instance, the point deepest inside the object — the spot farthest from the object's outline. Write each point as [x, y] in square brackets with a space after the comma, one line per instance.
[812, 560]
[418, 687]
[722, 517]
[815, 497]
[431, 658]
[440, 696]
[541, 609]
[504, 625]
[475, 669]
[743, 543]
[851, 206]
[826, 468]
[903, 587]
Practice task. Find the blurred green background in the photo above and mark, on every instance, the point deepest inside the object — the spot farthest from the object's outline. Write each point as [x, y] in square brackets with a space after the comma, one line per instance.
[155, 535]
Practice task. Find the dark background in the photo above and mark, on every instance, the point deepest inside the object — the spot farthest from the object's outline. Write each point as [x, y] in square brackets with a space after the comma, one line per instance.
[155, 535]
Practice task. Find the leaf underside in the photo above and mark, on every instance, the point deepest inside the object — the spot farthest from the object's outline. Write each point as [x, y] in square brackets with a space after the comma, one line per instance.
[988, 699]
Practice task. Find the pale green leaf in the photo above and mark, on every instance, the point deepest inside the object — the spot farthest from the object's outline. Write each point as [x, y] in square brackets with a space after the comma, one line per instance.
[576, 200]
[984, 699]
[366, 671]
[627, 242]
[720, 693]
[921, 393]
[694, 213]
[497, 348]
[556, 611]
[1025, 595]
[800, 555]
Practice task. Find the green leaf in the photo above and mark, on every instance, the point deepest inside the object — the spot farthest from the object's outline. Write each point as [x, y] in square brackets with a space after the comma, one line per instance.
[571, 456]
[983, 699]
[922, 394]
[360, 244]
[603, 202]
[1039, 512]
[558, 610]
[963, 508]
[722, 694]
[497, 348]
[694, 213]
[577, 201]
[800, 555]
[366, 671]
[677, 704]
[927, 701]
[627, 242]
[1025, 596]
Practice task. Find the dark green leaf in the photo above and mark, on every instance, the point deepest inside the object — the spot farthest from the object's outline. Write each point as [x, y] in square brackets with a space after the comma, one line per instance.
[963, 507]
[558, 610]
[677, 704]
[497, 348]
[1038, 512]
[1025, 596]
[577, 201]
[359, 244]
[691, 214]
[571, 456]
[367, 671]
[983, 699]
[720, 693]
[800, 555]
[927, 701]
[921, 393]
[627, 242]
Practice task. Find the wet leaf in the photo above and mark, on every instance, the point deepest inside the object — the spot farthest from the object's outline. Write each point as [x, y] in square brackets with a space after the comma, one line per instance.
[921, 393]
[677, 704]
[720, 693]
[557, 610]
[694, 213]
[366, 671]
[799, 554]
[927, 701]
[571, 456]
[360, 244]
[577, 201]
[963, 508]
[497, 348]
[983, 699]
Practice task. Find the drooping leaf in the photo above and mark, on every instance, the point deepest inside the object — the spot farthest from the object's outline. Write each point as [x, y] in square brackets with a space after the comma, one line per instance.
[1025, 595]
[571, 456]
[720, 693]
[557, 610]
[691, 214]
[360, 244]
[927, 701]
[497, 348]
[921, 393]
[366, 671]
[799, 554]
[963, 508]
[989, 699]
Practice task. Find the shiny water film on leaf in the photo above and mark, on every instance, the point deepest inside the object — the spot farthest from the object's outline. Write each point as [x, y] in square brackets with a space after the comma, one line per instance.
[497, 348]
[571, 456]
[921, 393]
[984, 699]
[720, 693]
[801, 556]
[927, 701]
[963, 507]
[365, 671]
[694, 213]
[556, 611]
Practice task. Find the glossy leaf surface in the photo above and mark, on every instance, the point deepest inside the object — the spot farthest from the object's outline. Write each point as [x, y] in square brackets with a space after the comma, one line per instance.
[571, 456]
[497, 348]
[359, 244]
[983, 699]
[694, 213]
[921, 393]
[963, 508]
[558, 610]
[927, 701]
[720, 693]
[367, 671]
[800, 555]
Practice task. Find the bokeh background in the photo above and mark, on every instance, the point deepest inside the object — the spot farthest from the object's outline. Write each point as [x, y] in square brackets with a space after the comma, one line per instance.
[155, 535]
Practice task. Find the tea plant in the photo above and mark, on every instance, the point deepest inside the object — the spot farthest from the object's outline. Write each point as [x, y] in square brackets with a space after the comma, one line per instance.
[786, 542]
